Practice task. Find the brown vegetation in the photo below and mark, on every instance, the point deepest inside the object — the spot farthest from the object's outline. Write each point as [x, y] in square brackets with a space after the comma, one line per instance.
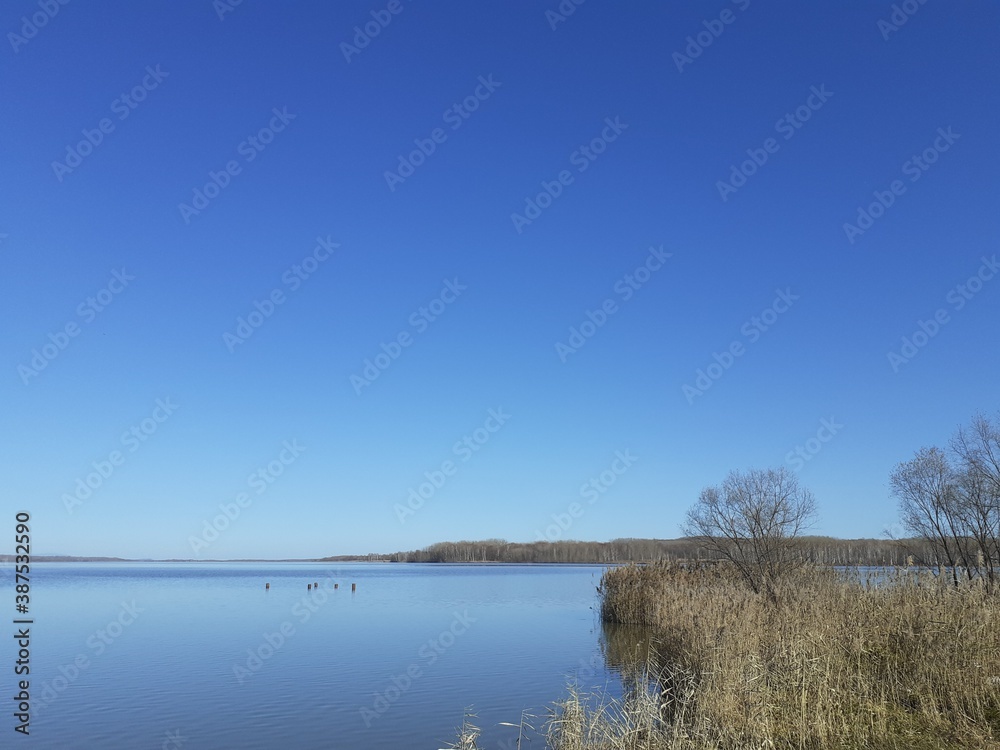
[902, 661]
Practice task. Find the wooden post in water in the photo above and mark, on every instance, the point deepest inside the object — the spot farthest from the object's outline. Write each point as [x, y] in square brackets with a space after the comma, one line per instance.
[354, 587]
[309, 587]
[315, 585]
[267, 586]
[336, 586]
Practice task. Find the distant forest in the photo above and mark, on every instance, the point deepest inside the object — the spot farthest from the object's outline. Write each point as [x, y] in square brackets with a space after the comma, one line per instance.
[819, 549]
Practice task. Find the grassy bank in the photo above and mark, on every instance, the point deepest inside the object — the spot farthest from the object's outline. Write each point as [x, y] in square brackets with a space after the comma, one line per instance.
[911, 663]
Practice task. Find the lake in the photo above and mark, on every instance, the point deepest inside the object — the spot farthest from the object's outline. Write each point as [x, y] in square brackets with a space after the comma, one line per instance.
[129, 655]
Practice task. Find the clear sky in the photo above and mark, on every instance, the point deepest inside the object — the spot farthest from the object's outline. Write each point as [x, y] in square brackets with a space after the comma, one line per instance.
[168, 165]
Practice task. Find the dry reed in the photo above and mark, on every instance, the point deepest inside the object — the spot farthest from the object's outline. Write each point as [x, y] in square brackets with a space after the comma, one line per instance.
[901, 661]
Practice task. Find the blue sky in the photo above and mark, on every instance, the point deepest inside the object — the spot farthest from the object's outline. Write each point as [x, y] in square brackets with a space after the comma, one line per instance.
[665, 220]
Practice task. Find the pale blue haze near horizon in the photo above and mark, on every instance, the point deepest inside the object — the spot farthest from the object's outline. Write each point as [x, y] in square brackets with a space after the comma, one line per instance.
[931, 84]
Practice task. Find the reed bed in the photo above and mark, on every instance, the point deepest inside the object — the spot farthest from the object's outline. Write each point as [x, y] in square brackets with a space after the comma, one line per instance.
[903, 660]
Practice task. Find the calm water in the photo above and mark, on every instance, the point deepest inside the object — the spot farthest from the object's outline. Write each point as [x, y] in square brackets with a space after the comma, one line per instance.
[497, 638]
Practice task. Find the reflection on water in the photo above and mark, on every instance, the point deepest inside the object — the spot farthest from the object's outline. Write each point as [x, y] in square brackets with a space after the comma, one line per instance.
[627, 648]
[209, 651]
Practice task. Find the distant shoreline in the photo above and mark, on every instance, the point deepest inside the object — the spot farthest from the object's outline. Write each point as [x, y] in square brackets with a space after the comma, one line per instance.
[816, 549]
[75, 559]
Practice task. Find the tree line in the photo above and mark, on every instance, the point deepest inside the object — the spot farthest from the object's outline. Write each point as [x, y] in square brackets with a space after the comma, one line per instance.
[819, 549]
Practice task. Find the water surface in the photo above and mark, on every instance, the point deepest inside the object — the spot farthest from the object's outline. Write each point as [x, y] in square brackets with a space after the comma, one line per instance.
[206, 651]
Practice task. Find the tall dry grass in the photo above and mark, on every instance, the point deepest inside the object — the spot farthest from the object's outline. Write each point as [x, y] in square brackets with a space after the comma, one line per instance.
[908, 663]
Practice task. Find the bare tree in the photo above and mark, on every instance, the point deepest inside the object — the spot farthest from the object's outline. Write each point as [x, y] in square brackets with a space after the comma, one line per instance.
[977, 450]
[927, 492]
[952, 501]
[977, 447]
[754, 520]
